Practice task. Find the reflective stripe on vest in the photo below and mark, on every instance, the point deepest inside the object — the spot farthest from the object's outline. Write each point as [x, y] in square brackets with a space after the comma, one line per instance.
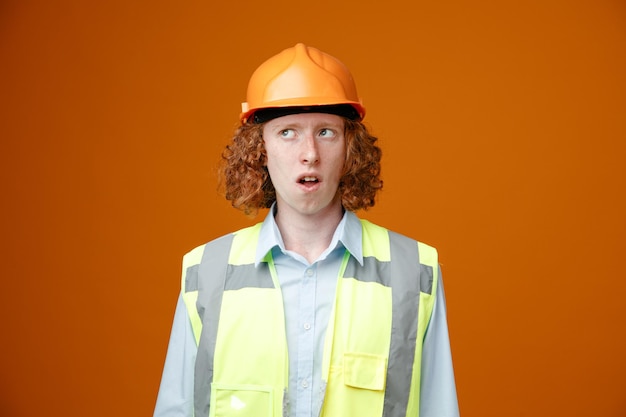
[372, 356]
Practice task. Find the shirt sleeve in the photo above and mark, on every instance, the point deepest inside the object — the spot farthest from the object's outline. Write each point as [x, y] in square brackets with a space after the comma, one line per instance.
[437, 389]
[175, 398]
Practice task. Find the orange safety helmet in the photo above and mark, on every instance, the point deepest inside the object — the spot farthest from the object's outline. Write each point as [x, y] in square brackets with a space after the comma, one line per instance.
[297, 80]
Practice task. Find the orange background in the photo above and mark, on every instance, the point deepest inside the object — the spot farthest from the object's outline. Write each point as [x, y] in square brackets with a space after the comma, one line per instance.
[504, 136]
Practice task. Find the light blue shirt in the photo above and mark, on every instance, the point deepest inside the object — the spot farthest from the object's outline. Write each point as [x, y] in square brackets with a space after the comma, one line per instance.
[308, 295]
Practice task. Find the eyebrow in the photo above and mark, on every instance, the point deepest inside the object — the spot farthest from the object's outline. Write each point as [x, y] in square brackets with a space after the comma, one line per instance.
[296, 125]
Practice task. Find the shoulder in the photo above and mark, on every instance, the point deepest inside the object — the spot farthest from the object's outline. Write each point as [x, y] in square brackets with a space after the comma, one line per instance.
[194, 256]
[374, 235]
[377, 230]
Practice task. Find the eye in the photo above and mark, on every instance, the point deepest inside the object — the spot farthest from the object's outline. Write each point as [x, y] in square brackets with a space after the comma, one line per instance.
[327, 133]
[287, 133]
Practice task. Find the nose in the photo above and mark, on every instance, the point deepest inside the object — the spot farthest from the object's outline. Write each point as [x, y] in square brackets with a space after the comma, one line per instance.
[310, 153]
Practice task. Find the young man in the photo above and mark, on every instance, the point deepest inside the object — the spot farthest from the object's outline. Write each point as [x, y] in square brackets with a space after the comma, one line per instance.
[312, 312]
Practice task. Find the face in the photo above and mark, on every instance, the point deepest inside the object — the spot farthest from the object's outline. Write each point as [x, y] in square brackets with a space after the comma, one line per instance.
[305, 159]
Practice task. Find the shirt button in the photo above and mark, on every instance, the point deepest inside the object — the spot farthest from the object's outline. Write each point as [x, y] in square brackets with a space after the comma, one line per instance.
[307, 326]
[309, 272]
[305, 383]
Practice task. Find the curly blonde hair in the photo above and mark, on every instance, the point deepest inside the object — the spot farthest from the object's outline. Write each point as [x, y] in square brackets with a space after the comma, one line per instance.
[246, 183]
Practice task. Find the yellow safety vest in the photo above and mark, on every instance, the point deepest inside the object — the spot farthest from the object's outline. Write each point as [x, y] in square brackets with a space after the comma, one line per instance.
[372, 354]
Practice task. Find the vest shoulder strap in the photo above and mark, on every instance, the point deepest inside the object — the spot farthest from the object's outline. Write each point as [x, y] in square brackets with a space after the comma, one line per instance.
[376, 244]
[428, 255]
[189, 288]
[236, 249]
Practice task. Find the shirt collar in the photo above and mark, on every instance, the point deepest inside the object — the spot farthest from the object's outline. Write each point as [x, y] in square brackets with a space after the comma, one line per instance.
[349, 234]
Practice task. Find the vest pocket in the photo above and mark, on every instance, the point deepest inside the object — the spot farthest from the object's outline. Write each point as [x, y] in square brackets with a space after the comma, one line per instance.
[356, 388]
[237, 400]
[365, 371]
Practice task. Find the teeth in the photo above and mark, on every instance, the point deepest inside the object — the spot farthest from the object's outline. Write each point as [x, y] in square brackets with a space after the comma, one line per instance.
[309, 179]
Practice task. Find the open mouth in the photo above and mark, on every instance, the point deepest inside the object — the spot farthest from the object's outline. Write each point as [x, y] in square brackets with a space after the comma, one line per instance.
[309, 180]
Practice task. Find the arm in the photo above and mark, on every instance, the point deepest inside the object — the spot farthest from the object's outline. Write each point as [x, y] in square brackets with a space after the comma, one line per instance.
[438, 390]
[175, 397]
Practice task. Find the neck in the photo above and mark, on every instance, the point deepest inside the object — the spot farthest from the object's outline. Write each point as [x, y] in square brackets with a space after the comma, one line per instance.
[308, 235]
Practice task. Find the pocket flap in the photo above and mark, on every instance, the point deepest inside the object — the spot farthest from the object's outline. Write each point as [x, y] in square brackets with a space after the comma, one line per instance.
[364, 370]
[241, 400]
